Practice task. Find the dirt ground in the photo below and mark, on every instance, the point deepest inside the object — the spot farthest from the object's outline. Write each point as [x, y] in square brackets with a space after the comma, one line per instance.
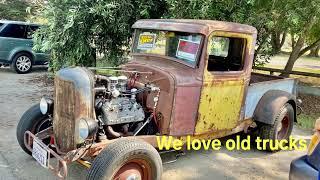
[19, 92]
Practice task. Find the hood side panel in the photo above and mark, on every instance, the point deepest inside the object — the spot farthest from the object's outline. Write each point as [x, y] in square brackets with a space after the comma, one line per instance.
[166, 83]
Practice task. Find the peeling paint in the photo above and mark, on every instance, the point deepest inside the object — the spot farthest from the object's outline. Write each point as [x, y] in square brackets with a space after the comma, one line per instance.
[222, 96]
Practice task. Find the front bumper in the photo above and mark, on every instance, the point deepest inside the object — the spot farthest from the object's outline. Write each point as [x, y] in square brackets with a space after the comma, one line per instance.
[58, 166]
[300, 169]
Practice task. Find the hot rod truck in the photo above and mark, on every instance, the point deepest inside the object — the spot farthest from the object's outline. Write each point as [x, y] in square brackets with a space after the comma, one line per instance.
[185, 78]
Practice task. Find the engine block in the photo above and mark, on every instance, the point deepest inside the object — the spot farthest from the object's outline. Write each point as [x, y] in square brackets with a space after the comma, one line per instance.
[122, 110]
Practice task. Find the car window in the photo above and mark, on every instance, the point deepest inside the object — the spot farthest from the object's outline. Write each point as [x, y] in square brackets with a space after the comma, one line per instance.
[14, 31]
[219, 46]
[31, 30]
[226, 54]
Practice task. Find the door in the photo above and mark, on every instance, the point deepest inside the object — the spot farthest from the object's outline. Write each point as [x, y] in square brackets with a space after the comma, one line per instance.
[226, 76]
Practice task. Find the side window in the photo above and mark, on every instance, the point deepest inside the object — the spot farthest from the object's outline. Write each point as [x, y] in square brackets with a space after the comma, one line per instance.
[226, 54]
[31, 30]
[14, 31]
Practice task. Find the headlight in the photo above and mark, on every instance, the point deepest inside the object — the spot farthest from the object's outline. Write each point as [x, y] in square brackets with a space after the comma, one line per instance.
[46, 105]
[87, 128]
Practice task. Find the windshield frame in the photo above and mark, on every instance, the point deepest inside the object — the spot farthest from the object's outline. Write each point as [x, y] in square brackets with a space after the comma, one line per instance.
[198, 56]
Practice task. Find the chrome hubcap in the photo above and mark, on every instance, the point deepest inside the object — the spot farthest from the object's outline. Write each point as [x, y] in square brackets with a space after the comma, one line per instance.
[23, 63]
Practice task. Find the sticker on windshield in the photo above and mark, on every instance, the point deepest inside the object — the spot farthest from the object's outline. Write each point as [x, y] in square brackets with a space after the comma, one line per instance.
[146, 41]
[187, 49]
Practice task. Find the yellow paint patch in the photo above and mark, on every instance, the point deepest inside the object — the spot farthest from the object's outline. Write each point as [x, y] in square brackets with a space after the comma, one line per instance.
[220, 106]
[221, 96]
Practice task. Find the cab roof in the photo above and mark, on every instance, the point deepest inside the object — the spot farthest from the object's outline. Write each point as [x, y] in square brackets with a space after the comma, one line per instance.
[193, 26]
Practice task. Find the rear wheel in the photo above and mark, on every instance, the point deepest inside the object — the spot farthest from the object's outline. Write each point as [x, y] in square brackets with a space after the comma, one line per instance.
[34, 121]
[22, 63]
[127, 159]
[281, 128]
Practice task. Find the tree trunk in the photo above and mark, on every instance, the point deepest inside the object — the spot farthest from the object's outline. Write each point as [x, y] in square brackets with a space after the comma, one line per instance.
[293, 42]
[261, 42]
[283, 39]
[277, 41]
[295, 54]
[314, 52]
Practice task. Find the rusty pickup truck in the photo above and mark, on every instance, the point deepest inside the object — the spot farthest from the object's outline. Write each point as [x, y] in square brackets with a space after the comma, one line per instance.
[185, 78]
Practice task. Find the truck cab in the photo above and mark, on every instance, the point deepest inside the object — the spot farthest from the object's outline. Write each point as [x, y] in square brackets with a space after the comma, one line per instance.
[186, 78]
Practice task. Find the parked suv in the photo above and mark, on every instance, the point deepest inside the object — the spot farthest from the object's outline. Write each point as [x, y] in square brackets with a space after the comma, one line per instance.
[16, 46]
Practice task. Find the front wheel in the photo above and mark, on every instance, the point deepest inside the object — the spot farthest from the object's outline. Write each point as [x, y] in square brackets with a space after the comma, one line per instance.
[281, 128]
[127, 159]
[22, 63]
[34, 121]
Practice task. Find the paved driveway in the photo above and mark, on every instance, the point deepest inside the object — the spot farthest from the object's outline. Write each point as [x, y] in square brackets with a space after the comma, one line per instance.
[17, 94]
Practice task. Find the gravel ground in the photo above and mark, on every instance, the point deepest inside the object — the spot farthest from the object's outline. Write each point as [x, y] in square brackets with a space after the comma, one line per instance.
[19, 92]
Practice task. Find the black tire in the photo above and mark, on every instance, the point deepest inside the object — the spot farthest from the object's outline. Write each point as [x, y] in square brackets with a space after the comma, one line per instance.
[272, 132]
[15, 62]
[34, 121]
[122, 153]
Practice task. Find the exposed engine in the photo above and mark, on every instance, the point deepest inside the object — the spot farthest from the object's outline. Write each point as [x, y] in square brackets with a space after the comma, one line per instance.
[117, 107]
[122, 110]
[97, 107]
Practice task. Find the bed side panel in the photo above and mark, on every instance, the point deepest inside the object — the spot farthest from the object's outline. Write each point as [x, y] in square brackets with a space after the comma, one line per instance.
[257, 90]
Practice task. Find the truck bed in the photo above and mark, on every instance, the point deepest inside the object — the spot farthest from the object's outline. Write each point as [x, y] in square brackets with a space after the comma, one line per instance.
[260, 84]
[256, 78]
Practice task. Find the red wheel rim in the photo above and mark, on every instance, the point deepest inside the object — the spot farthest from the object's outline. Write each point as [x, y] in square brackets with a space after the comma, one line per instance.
[283, 127]
[136, 169]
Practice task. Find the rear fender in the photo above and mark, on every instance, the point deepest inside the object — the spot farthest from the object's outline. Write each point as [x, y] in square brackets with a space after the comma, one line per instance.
[21, 50]
[270, 104]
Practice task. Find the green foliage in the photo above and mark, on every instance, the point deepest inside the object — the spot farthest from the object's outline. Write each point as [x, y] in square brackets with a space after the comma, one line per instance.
[13, 10]
[250, 12]
[301, 13]
[314, 33]
[307, 121]
[77, 30]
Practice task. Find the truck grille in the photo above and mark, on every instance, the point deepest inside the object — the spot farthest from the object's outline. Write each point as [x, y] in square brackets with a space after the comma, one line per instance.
[73, 100]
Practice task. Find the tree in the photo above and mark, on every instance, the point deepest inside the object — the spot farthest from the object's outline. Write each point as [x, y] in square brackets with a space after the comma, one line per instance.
[78, 29]
[252, 12]
[276, 25]
[13, 10]
[304, 17]
[312, 37]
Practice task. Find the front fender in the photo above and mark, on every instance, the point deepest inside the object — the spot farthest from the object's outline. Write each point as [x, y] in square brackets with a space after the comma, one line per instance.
[270, 104]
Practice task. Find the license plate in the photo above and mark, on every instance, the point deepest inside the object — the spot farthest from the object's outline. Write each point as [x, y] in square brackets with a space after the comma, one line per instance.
[40, 154]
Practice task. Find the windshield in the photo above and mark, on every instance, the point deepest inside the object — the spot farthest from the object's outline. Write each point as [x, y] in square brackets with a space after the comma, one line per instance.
[180, 45]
